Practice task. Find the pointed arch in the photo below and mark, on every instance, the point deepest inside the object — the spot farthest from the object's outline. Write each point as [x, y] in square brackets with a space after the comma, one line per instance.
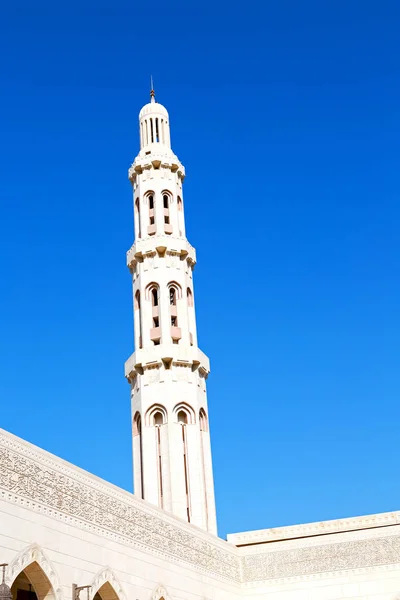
[156, 415]
[160, 593]
[203, 420]
[183, 413]
[173, 286]
[39, 571]
[107, 586]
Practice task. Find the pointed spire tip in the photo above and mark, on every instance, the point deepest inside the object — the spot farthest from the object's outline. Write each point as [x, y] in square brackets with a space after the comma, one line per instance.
[152, 92]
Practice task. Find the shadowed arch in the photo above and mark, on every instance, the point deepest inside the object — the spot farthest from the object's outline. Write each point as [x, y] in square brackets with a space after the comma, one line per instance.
[31, 568]
[106, 586]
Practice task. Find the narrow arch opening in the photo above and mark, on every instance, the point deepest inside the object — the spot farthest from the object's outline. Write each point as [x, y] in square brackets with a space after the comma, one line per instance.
[189, 297]
[158, 418]
[203, 420]
[32, 584]
[172, 296]
[137, 425]
[137, 300]
[137, 205]
[182, 417]
[151, 130]
[154, 296]
[106, 592]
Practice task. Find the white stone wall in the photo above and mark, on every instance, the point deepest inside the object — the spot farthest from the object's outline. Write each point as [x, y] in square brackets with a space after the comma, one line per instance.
[80, 529]
[77, 527]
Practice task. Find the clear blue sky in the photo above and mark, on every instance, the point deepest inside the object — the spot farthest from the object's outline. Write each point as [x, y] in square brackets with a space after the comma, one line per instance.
[286, 117]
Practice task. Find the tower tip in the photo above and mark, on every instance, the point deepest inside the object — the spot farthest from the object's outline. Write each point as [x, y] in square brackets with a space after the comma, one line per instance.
[152, 92]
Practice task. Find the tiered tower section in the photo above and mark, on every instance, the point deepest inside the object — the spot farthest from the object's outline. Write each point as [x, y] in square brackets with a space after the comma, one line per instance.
[167, 372]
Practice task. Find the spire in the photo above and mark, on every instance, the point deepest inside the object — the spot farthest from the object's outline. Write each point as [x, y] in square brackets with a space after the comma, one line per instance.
[152, 92]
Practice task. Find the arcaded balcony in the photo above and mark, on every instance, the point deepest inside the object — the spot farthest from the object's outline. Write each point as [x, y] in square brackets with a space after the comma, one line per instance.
[155, 334]
[176, 333]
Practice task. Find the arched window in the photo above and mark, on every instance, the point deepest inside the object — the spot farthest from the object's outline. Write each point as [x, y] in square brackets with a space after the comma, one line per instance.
[174, 294]
[166, 205]
[157, 131]
[137, 300]
[151, 129]
[191, 320]
[179, 201]
[182, 417]
[138, 452]
[152, 294]
[137, 424]
[203, 420]
[156, 416]
[152, 217]
[189, 297]
[137, 205]
[184, 414]
[138, 318]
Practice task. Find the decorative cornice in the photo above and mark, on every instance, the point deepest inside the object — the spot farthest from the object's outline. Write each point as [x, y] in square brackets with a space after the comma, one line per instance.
[147, 247]
[261, 536]
[155, 160]
[35, 479]
[322, 559]
[106, 575]
[32, 477]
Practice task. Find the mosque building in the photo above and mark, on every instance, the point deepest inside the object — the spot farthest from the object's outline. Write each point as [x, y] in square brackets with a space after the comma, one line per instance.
[68, 535]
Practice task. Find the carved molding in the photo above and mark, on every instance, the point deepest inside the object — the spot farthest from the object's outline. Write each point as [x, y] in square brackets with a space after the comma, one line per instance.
[33, 478]
[107, 576]
[28, 556]
[322, 559]
[48, 485]
[160, 592]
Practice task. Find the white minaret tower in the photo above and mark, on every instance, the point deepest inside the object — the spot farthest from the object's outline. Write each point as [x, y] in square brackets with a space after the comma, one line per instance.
[167, 372]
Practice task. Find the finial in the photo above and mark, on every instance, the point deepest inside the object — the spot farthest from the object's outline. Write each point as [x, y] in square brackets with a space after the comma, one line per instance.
[152, 92]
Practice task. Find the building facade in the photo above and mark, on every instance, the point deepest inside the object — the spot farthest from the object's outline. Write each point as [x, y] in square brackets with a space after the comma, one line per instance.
[68, 535]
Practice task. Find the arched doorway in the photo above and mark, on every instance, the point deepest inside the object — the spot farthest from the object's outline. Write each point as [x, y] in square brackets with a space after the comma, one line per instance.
[106, 592]
[32, 584]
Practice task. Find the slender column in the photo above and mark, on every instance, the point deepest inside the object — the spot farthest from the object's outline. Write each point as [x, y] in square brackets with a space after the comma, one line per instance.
[172, 456]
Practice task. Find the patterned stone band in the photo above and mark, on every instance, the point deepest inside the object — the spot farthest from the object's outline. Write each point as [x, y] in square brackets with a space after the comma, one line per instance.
[30, 479]
[48, 484]
[328, 558]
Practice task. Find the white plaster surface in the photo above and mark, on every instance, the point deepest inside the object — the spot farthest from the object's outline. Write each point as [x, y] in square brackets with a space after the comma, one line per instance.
[80, 529]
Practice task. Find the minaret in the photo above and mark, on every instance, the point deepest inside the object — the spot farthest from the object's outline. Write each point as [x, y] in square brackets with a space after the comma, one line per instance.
[167, 372]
